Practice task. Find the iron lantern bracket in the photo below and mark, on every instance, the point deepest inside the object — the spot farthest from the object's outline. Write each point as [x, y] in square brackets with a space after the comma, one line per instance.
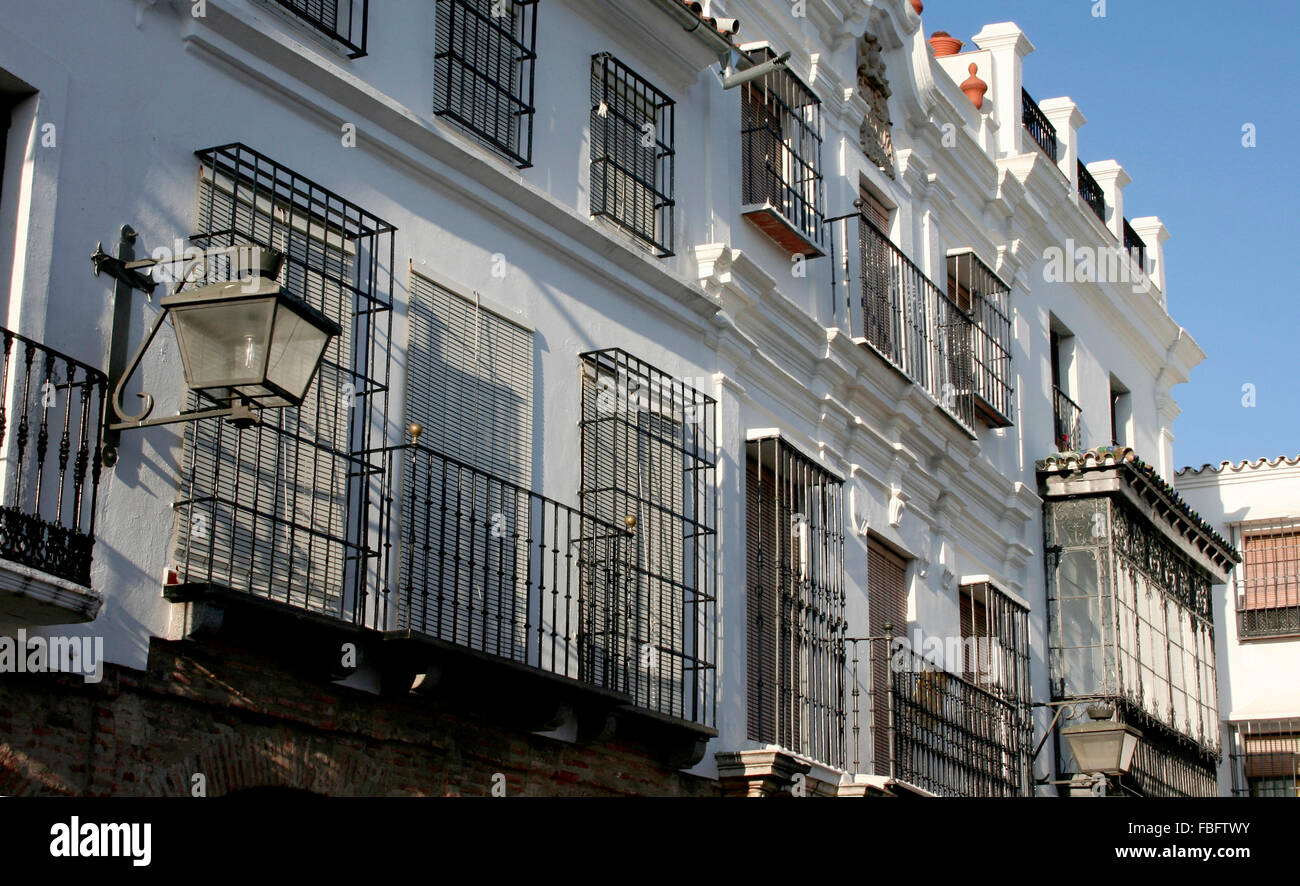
[125, 269]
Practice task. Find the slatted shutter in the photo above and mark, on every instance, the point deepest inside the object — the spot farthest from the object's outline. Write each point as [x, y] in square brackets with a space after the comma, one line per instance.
[762, 570]
[886, 605]
[470, 381]
[470, 385]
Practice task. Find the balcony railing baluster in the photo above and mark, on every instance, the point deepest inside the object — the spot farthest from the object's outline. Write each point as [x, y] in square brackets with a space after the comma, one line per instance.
[1068, 421]
[1040, 128]
[496, 568]
[909, 320]
[933, 729]
[1091, 193]
[46, 522]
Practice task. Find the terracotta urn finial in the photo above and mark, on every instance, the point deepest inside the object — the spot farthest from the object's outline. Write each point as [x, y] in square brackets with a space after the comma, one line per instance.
[975, 88]
[944, 44]
[918, 6]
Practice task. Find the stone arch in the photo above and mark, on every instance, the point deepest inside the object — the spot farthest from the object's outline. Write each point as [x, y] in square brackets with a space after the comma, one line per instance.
[278, 758]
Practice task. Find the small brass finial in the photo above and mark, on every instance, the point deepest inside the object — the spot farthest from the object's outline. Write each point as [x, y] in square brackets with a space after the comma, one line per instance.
[415, 429]
[630, 522]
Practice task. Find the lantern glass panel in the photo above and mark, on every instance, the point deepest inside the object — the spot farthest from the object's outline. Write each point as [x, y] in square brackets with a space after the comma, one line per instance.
[224, 343]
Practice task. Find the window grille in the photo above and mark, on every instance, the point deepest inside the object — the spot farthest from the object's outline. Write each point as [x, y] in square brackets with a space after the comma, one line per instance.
[995, 635]
[1265, 758]
[648, 462]
[1268, 580]
[795, 576]
[632, 153]
[278, 509]
[345, 21]
[782, 143]
[483, 71]
[979, 292]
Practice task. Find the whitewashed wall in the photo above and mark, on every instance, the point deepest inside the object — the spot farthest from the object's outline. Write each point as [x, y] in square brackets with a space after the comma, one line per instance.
[134, 88]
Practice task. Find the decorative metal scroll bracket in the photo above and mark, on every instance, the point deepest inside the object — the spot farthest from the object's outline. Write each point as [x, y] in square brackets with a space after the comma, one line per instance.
[125, 269]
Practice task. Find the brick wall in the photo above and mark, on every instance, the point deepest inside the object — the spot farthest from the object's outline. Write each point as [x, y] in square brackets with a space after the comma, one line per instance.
[243, 721]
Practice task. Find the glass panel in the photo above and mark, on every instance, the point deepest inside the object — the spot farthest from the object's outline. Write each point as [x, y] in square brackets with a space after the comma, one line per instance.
[224, 344]
[296, 348]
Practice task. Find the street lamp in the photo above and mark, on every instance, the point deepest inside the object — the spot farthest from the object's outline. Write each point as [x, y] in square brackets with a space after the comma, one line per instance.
[249, 341]
[1102, 746]
[246, 344]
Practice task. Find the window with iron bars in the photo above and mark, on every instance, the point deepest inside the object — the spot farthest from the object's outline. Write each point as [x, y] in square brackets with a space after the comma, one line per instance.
[483, 71]
[631, 153]
[648, 463]
[782, 144]
[794, 517]
[275, 510]
[1268, 580]
[344, 21]
[995, 641]
[980, 293]
[1265, 757]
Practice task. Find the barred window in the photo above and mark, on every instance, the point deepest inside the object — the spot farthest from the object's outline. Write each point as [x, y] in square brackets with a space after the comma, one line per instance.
[781, 161]
[648, 463]
[631, 153]
[1268, 580]
[1265, 758]
[344, 21]
[980, 293]
[995, 641]
[269, 510]
[483, 71]
[794, 517]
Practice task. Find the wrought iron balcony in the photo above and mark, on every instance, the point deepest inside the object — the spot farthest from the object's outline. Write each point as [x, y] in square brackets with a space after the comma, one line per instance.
[909, 321]
[1091, 193]
[50, 418]
[914, 722]
[1135, 245]
[489, 566]
[1040, 128]
[1068, 421]
[343, 21]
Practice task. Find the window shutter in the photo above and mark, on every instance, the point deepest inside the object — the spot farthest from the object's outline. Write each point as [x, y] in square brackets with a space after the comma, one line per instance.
[470, 384]
[761, 602]
[886, 604]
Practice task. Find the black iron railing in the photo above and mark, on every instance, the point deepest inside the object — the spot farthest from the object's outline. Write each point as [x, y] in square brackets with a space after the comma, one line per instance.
[914, 722]
[906, 318]
[483, 64]
[1091, 192]
[1040, 128]
[490, 566]
[1135, 245]
[345, 21]
[977, 290]
[51, 412]
[781, 150]
[1068, 421]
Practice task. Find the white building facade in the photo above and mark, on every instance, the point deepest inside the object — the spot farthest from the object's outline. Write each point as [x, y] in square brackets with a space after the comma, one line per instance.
[688, 394]
[1257, 505]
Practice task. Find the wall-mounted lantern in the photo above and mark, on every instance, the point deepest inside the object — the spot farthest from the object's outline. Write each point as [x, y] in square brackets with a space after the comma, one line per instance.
[246, 344]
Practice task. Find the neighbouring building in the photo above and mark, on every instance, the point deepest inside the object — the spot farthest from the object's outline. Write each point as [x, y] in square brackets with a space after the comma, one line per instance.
[713, 401]
[1256, 504]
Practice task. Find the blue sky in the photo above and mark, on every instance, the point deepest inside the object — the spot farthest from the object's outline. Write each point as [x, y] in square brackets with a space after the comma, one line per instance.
[1167, 86]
